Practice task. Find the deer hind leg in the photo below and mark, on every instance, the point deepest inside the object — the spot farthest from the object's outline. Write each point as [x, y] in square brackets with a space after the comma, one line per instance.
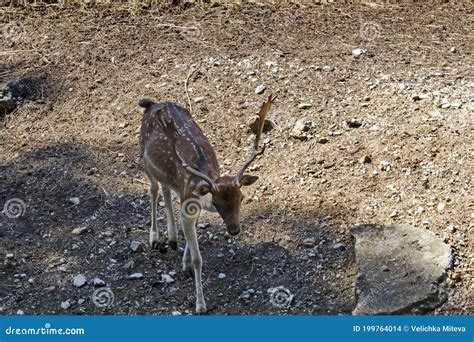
[189, 229]
[154, 232]
[172, 233]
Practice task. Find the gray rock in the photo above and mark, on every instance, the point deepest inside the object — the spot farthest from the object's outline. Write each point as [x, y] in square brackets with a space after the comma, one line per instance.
[309, 243]
[137, 275]
[304, 105]
[136, 246]
[358, 52]
[260, 89]
[167, 279]
[99, 282]
[65, 305]
[339, 247]
[402, 269]
[79, 280]
[301, 129]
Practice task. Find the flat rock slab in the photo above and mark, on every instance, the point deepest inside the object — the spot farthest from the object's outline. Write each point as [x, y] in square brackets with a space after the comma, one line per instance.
[402, 269]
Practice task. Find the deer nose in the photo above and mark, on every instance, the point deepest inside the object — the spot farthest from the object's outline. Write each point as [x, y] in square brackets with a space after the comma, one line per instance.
[233, 229]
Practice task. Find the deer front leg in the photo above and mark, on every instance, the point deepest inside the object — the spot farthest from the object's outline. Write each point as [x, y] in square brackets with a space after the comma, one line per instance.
[154, 233]
[172, 233]
[189, 229]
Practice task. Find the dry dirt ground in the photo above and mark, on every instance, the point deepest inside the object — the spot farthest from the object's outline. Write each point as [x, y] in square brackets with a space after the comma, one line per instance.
[411, 94]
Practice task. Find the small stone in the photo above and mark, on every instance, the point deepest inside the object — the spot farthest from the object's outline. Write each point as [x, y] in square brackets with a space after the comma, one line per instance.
[451, 228]
[304, 105]
[98, 282]
[452, 50]
[385, 268]
[339, 247]
[79, 231]
[302, 126]
[161, 204]
[81, 301]
[20, 312]
[167, 279]
[137, 275]
[9, 256]
[309, 243]
[260, 89]
[402, 86]
[65, 305]
[358, 52]
[75, 200]
[365, 160]
[385, 165]
[441, 206]
[198, 99]
[203, 225]
[245, 295]
[394, 214]
[221, 275]
[353, 123]
[79, 280]
[176, 313]
[136, 246]
[323, 140]
[419, 97]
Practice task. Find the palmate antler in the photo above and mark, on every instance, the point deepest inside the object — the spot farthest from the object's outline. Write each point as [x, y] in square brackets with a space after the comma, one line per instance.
[256, 151]
[169, 127]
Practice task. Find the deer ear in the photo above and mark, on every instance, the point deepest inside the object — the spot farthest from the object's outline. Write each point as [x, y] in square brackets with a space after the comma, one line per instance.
[202, 188]
[248, 180]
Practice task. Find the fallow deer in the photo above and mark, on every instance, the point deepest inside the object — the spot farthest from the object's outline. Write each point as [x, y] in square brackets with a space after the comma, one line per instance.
[178, 155]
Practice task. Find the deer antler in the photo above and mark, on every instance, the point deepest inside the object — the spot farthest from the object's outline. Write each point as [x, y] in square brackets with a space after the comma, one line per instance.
[256, 151]
[169, 127]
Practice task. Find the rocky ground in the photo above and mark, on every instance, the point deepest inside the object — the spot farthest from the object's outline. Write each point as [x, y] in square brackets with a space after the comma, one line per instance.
[373, 124]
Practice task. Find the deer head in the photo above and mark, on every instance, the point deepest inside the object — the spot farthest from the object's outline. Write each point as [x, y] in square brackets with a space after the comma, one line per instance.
[225, 190]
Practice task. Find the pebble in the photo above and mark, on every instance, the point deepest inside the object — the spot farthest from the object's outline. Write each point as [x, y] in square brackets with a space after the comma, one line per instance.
[221, 275]
[20, 312]
[176, 313]
[199, 99]
[75, 200]
[309, 243]
[452, 50]
[81, 301]
[98, 282]
[302, 126]
[304, 105]
[441, 206]
[136, 246]
[260, 89]
[365, 160]
[65, 305]
[385, 165]
[358, 52]
[394, 214]
[203, 225]
[166, 278]
[451, 228]
[323, 140]
[79, 280]
[339, 247]
[137, 275]
[79, 231]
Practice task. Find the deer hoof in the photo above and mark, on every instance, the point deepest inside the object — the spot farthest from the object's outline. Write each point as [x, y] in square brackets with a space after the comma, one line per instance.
[188, 271]
[173, 245]
[201, 309]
